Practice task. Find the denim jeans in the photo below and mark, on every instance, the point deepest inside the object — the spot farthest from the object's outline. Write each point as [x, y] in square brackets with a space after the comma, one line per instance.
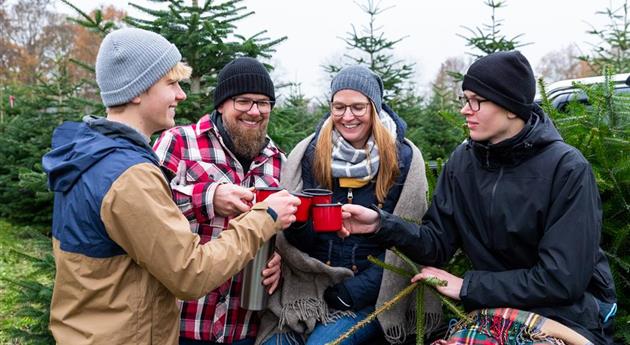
[323, 334]
[184, 341]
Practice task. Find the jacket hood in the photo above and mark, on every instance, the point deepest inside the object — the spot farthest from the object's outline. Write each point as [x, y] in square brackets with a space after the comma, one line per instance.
[401, 125]
[538, 132]
[77, 146]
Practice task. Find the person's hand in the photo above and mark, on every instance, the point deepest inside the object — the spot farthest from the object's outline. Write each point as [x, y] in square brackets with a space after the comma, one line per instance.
[271, 274]
[454, 283]
[231, 200]
[285, 205]
[358, 220]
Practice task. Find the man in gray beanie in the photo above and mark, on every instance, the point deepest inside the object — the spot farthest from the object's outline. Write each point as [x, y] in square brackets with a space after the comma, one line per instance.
[524, 208]
[216, 162]
[123, 250]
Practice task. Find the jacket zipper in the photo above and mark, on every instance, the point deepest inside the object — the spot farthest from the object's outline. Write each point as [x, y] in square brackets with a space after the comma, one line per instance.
[494, 189]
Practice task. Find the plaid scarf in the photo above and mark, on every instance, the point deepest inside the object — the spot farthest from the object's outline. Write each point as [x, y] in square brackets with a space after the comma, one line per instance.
[348, 161]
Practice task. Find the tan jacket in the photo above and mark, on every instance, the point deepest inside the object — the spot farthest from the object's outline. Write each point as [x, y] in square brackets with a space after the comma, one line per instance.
[131, 298]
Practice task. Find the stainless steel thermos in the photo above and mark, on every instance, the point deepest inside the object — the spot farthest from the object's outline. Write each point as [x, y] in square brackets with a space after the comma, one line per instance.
[254, 295]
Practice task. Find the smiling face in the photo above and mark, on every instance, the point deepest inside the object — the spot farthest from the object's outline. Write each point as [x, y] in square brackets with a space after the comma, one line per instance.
[247, 129]
[491, 122]
[355, 129]
[157, 105]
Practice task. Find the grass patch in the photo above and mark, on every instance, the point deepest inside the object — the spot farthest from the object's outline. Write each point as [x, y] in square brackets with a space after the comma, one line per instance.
[26, 279]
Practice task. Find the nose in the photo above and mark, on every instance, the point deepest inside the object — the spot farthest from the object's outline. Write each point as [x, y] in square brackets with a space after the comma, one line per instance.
[180, 95]
[348, 112]
[465, 110]
[254, 110]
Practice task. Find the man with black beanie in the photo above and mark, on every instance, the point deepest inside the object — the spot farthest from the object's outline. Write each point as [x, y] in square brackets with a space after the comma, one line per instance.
[215, 162]
[524, 207]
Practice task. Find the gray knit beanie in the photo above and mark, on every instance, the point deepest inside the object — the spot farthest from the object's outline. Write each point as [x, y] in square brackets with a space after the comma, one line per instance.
[130, 61]
[361, 79]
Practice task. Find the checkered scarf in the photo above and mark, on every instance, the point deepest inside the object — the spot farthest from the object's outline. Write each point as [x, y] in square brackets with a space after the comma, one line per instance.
[348, 161]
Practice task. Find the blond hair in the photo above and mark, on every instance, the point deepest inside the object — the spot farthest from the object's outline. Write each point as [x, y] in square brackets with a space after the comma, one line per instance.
[179, 72]
[388, 153]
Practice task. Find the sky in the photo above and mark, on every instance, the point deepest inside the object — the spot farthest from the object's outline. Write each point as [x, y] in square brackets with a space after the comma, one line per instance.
[430, 30]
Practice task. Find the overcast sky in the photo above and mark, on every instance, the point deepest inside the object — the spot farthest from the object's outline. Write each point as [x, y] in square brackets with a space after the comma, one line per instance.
[314, 29]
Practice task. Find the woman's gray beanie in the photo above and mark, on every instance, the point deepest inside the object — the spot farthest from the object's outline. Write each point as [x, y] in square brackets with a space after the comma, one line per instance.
[361, 79]
[130, 61]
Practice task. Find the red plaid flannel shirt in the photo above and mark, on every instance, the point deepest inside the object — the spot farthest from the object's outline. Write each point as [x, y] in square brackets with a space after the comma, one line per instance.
[198, 157]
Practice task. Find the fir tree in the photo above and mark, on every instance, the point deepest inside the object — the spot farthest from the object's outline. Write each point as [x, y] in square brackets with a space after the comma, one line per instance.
[613, 46]
[292, 121]
[26, 136]
[601, 131]
[371, 48]
[488, 38]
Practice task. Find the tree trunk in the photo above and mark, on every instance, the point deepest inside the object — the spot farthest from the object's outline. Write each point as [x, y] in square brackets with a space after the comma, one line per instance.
[195, 84]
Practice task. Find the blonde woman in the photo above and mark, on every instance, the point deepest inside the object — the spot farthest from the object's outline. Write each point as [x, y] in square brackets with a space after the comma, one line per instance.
[359, 152]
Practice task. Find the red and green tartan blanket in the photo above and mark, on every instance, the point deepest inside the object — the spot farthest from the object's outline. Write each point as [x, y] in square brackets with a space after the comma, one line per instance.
[503, 326]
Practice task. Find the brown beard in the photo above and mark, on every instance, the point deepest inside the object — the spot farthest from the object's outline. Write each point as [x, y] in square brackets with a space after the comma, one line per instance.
[247, 143]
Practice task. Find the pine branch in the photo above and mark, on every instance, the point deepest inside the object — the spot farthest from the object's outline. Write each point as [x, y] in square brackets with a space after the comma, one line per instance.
[392, 268]
[387, 305]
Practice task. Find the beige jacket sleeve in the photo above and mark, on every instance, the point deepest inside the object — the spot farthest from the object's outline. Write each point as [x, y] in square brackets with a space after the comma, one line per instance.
[140, 216]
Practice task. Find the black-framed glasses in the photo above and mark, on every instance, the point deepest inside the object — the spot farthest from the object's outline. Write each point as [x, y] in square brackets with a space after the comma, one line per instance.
[338, 109]
[473, 102]
[246, 104]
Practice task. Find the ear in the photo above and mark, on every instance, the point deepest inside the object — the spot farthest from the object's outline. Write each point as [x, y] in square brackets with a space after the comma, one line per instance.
[136, 100]
[511, 115]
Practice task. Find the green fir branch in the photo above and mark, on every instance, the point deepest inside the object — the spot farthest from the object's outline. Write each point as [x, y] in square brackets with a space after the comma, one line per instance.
[387, 305]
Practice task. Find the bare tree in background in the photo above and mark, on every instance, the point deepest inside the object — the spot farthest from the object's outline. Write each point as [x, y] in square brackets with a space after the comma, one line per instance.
[562, 64]
[446, 82]
[33, 37]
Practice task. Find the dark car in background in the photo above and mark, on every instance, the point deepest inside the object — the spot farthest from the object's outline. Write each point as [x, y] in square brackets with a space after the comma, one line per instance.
[561, 93]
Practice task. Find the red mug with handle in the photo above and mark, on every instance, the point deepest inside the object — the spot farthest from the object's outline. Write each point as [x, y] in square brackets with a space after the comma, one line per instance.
[320, 196]
[304, 210]
[263, 193]
[327, 217]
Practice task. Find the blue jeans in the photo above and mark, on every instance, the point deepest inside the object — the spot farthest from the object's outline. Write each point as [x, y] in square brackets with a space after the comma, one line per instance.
[323, 334]
[184, 341]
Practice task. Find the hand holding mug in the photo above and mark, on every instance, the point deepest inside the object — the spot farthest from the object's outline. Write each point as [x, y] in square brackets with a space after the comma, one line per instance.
[285, 205]
[231, 200]
[358, 220]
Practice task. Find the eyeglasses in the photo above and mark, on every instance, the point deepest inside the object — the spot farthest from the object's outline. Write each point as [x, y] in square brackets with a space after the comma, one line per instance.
[338, 109]
[246, 104]
[473, 103]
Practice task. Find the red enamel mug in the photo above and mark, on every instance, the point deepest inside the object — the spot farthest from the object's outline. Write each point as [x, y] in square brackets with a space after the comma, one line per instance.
[263, 193]
[327, 217]
[304, 210]
[320, 196]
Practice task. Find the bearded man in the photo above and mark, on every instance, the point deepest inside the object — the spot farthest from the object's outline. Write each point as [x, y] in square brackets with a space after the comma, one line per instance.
[213, 165]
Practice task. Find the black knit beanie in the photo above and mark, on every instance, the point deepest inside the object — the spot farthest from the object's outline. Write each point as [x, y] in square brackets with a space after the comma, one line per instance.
[243, 75]
[506, 79]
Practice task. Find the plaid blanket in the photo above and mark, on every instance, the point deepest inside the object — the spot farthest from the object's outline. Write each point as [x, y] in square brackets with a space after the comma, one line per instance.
[510, 326]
